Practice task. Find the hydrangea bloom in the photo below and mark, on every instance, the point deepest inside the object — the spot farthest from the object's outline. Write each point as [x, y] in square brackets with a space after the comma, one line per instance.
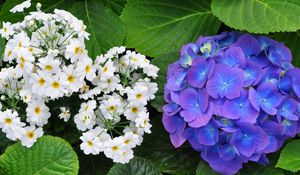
[234, 97]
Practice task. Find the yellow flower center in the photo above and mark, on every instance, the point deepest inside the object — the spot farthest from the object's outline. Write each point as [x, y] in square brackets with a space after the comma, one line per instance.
[71, 78]
[127, 141]
[48, 67]
[19, 44]
[90, 143]
[105, 69]
[112, 108]
[30, 134]
[30, 49]
[115, 148]
[42, 81]
[134, 109]
[8, 121]
[88, 69]
[4, 29]
[78, 50]
[55, 85]
[9, 53]
[139, 96]
[37, 110]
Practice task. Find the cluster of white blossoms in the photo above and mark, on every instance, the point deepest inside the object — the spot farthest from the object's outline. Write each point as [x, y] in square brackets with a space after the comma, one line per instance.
[114, 117]
[45, 60]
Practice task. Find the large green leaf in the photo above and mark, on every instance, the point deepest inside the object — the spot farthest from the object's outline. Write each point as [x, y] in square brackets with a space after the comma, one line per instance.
[204, 169]
[155, 27]
[158, 149]
[291, 40]
[105, 26]
[259, 16]
[162, 62]
[290, 157]
[116, 5]
[49, 155]
[137, 166]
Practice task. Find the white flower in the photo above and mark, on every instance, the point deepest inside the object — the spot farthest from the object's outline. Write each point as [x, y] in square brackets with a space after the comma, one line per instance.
[114, 148]
[75, 50]
[90, 144]
[86, 69]
[11, 124]
[21, 40]
[107, 70]
[133, 111]
[138, 95]
[143, 122]
[151, 70]
[31, 135]
[37, 113]
[152, 88]
[21, 7]
[49, 64]
[70, 79]
[111, 106]
[7, 30]
[88, 107]
[25, 95]
[9, 54]
[131, 139]
[85, 120]
[135, 130]
[39, 82]
[65, 114]
[56, 88]
[125, 157]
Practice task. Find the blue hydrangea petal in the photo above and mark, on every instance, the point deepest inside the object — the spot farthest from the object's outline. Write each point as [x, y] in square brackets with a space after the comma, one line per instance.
[249, 44]
[177, 81]
[225, 82]
[199, 72]
[279, 54]
[233, 57]
[208, 135]
[288, 109]
[240, 108]
[290, 127]
[171, 108]
[253, 73]
[191, 99]
[227, 152]
[285, 83]
[202, 118]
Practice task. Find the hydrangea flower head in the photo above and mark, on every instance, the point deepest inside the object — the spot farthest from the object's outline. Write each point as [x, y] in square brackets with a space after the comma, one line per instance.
[234, 97]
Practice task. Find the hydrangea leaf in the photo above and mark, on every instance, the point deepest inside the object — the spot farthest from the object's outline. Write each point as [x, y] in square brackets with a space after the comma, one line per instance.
[116, 5]
[259, 16]
[156, 27]
[204, 169]
[49, 155]
[158, 149]
[290, 157]
[93, 164]
[256, 169]
[137, 166]
[162, 62]
[292, 41]
[105, 26]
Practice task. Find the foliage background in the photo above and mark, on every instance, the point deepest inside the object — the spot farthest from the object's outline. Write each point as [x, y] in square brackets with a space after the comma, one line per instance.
[156, 28]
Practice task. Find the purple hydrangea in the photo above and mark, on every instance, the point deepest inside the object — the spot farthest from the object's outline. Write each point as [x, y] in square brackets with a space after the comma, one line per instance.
[234, 97]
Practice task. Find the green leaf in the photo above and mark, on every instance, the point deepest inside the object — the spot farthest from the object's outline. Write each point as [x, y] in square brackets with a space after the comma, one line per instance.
[137, 166]
[290, 157]
[105, 27]
[155, 27]
[158, 149]
[49, 155]
[93, 164]
[256, 169]
[204, 169]
[4, 142]
[162, 62]
[291, 40]
[116, 5]
[259, 16]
